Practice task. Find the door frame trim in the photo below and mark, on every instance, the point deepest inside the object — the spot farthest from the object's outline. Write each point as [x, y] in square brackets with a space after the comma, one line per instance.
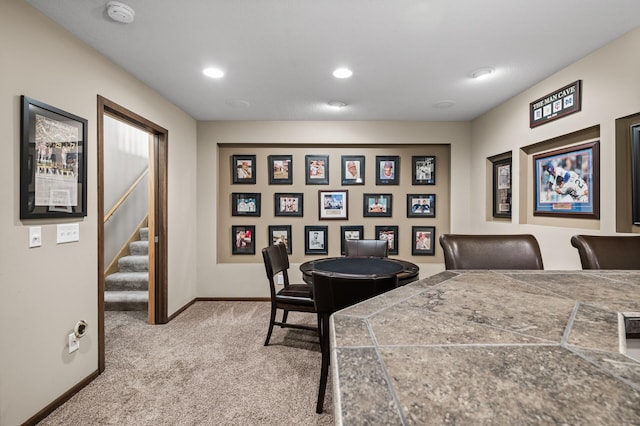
[159, 298]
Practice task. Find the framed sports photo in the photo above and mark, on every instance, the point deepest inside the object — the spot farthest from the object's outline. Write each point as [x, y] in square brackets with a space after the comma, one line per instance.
[245, 204]
[243, 239]
[350, 233]
[387, 170]
[280, 169]
[567, 182]
[423, 170]
[243, 169]
[316, 240]
[317, 169]
[502, 188]
[390, 235]
[377, 205]
[424, 238]
[280, 234]
[333, 205]
[353, 169]
[288, 204]
[421, 205]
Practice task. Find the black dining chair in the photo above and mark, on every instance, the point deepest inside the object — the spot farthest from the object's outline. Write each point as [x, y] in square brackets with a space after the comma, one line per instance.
[332, 292]
[372, 248]
[483, 251]
[608, 251]
[292, 297]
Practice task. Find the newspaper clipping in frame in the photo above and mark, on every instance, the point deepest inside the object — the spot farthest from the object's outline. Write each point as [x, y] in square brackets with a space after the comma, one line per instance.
[56, 174]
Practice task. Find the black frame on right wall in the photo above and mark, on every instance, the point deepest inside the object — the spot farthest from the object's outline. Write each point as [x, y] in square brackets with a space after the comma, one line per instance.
[635, 174]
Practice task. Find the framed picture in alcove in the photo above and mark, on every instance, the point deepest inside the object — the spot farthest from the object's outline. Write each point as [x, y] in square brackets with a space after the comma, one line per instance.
[502, 188]
[243, 169]
[390, 235]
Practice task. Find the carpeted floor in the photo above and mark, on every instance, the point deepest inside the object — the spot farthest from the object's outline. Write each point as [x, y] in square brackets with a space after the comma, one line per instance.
[206, 367]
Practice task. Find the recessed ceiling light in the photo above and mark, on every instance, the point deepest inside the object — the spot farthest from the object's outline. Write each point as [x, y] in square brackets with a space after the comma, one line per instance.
[238, 103]
[444, 104]
[337, 104]
[120, 12]
[213, 72]
[342, 73]
[482, 73]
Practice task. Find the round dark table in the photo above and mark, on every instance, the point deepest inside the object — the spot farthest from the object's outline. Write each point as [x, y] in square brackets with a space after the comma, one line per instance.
[406, 271]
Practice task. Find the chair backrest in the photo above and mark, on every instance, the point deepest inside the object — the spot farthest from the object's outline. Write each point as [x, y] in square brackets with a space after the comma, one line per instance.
[519, 251]
[374, 248]
[607, 252]
[333, 291]
[276, 260]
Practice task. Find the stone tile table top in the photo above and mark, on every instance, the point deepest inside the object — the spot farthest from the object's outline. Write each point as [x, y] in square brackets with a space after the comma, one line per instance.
[489, 347]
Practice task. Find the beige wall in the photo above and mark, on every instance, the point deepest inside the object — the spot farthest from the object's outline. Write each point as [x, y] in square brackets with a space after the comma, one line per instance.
[44, 291]
[611, 90]
[219, 279]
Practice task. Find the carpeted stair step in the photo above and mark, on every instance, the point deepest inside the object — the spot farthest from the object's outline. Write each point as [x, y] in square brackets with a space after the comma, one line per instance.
[139, 248]
[126, 300]
[144, 234]
[120, 281]
[133, 264]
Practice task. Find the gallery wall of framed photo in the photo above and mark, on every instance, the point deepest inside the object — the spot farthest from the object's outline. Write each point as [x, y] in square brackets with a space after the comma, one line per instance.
[314, 196]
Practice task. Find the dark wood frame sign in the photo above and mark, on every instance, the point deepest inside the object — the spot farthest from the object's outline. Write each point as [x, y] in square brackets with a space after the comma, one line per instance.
[567, 182]
[53, 162]
[560, 103]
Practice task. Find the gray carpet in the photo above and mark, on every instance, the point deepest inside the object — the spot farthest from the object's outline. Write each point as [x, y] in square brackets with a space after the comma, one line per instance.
[206, 367]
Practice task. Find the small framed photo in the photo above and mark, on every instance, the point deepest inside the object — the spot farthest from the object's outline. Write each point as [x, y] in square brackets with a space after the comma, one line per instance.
[333, 205]
[243, 168]
[377, 205]
[424, 238]
[317, 169]
[280, 169]
[387, 170]
[350, 233]
[353, 169]
[421, 205]
[316, 240]
[423, 170]
[243, 239]
[390, 235]
[502, 188]
[280, 234]
[288, 204]
[245, 204]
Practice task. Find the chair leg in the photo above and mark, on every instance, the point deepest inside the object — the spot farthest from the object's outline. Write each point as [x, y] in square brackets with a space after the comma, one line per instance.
[284, 317]
[272, 320]
[324, 371]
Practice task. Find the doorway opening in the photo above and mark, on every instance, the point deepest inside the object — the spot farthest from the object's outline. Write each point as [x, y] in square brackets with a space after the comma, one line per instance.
[156, 222]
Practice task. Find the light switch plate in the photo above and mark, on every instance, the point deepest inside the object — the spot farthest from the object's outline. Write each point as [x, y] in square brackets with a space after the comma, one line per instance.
[68, 233]
[35, 236]
[74, 343]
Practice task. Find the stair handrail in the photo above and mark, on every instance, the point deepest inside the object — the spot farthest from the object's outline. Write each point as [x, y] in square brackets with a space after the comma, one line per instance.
[124, 197]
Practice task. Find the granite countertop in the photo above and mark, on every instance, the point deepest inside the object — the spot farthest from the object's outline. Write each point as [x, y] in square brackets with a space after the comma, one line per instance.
[489, 347]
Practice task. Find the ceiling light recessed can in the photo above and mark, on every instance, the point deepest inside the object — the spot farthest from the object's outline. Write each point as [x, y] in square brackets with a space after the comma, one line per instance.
[342, 73]
[482, 73]
[120, 12]
[337, 104]
[238, 103]
[213, 72]
[444, 104]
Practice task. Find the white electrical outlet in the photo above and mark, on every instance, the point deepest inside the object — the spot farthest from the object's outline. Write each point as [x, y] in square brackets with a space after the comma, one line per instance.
[280, 279]
[35, 236]
[74, 343]
[68, 233]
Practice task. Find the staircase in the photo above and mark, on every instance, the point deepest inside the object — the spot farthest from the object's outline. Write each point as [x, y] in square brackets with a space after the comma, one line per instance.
[127, 289]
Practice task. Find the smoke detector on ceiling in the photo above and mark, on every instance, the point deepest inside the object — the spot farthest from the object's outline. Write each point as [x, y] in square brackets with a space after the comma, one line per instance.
[120, 12]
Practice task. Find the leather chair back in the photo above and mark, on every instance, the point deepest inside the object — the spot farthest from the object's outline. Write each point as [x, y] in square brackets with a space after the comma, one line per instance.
[371, 248]
[607, 252]
[509, 251]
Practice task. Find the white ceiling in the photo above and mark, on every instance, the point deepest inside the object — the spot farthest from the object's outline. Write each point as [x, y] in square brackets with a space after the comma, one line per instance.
[406, 55]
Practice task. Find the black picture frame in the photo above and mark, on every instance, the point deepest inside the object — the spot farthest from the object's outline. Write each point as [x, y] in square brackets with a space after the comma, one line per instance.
[580, 199]
[377, 205]
[423, 241]
[423, 170]
[243, 169]
[421, 205]
[53, 162]
[316, 239]
[245, 204]
[353, 169]
[387, 170]
[243, 239]
[281, 233]
[333, 204]
[635, 174]
[350, 232]
[316, 169]
[390, 235]
[502, 188]
[280, 169]
[288, 204]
